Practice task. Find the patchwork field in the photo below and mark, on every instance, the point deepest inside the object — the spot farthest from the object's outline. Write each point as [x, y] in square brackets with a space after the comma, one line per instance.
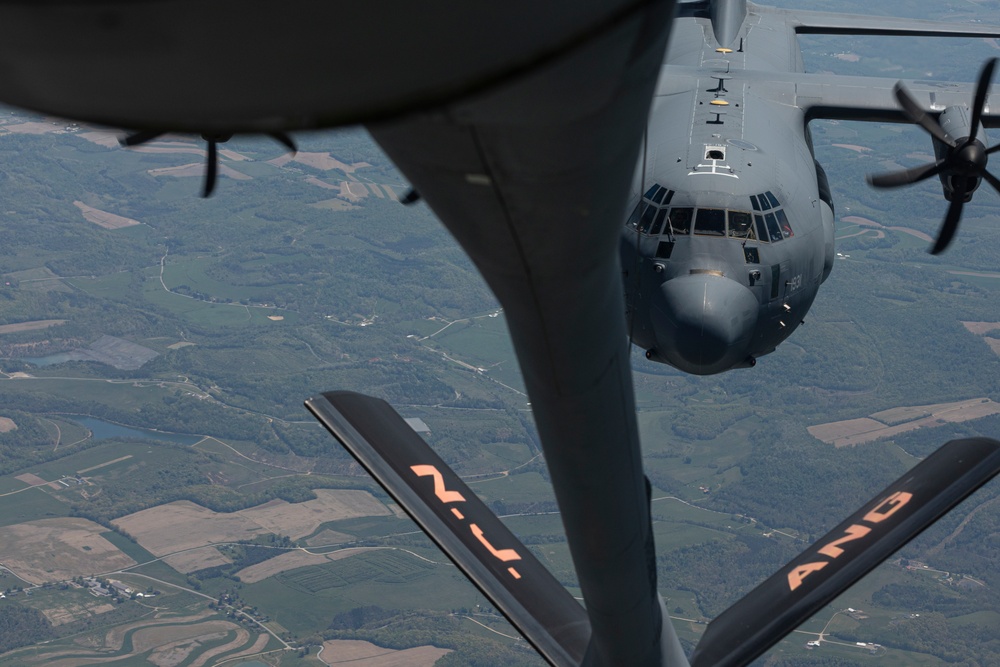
[300, 519]
[184, 525]
[256, 647]
[20, 327]
[192, 561]
[68, 613]
[888, 423]
[39, 279]
[328, 536]
[103, 218]
[198, 169]
[981, 328]
[171, 641]
[272, 566]
[292, 560]
[990, 331]
[365, 654]
[57, 549]
[322, 161]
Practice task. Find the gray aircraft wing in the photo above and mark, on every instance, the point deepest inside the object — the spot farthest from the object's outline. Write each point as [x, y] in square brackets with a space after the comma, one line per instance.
[872, 98]
[836, 97]
[831, 23]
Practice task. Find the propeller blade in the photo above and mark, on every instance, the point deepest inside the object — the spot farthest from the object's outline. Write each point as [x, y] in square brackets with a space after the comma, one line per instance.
[993, 149]
[213, 166]
[139, 138]
[284, 140]
[950, 224]
[991, 179]
[819, 574]
[982, 88]
[919, 116]
[411, 197]
[894, 179]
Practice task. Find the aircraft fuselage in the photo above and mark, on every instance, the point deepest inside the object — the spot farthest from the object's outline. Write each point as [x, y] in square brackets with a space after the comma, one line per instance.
[731, 233]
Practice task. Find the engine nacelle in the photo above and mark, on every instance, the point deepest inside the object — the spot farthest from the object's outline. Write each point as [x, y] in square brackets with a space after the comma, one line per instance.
[956, 121]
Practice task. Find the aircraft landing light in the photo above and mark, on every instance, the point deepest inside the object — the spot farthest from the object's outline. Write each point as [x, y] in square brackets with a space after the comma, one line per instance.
[723, 49]
[719, 103]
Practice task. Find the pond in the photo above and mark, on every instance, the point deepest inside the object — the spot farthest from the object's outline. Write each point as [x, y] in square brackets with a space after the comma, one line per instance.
[54, 359]
[103, 430]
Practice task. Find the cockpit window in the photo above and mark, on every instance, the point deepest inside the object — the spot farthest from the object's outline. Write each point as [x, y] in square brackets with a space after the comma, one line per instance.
[658, 223]
[761, 228]
[774, 232]
[710, 222]
[740, 225]
[647, 218]
[648, 208]
[633, 219]
[771, 224]
[680, 220]
[786, 228]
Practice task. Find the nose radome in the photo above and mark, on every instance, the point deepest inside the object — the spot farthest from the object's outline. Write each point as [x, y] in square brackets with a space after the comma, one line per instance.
[705, 323]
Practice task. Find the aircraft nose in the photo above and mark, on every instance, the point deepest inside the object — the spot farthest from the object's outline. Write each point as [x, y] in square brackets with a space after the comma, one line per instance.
[705, 323]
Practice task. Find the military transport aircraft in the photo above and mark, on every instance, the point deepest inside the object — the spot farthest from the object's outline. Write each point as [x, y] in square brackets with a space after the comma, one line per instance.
[520, 124]
[726, 248]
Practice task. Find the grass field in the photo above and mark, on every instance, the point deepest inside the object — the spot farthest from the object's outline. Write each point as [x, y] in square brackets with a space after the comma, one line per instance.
[69, 432]
[30, 506]
[95, 456]
[372, 526]
[481, 342]
[110, 286]
[123, 394]
[342, 585]
[192, 272]
[523, 487]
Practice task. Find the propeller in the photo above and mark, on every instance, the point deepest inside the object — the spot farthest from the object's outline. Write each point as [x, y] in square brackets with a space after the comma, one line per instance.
[411, 197]
[965, 162]
[213, 139]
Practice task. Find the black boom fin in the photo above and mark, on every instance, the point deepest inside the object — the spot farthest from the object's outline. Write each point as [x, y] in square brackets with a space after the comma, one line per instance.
[827, 568]
[459, 522]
